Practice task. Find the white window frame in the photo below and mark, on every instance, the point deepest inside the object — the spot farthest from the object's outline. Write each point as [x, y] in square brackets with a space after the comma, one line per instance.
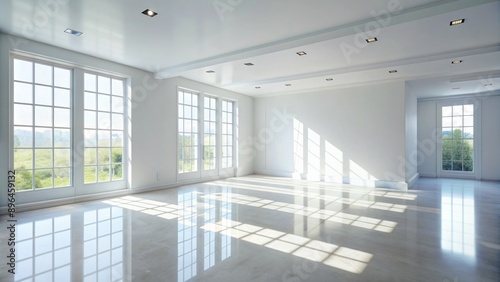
[218, 171]
[476, 173]
[77, 187]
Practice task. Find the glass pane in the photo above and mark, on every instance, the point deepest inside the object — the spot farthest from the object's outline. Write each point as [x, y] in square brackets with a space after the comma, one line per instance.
[468, 165]
[43, 137]
[103, 156]
[62, 158]
[187, 98]
[224, 106]
[23, 70]
[23, 92]
[468, 110]
[62, 138]
[90, 157]
[117, 155]
[104, 84]
[90, 82]
[117, 104]
[104, 138]
[457, 121]
[24, 180]
[212, 103]
[458, 110]
[117, 121]
[103, 120]
[468, 121]
[62, 177]
[457, 166]
[23, 114]
[103, 174]
[117, 139]
[447, 155]
[90, 119]
[43, 116]
[43, 158]
[90, 101]
[62, 77]
[468, 132]
[61, 117]
[194, 100]
[104, 102]
[43, 178]
[194, 113]
[117, 173]
[180, 111]
[446, 165]
[23, 159]
[61, 98]
[180, 97]
[90, 174]
[43, 74]
[187, 112]
[90, 138]
[117, 86]
[194, 126]
[23, 137]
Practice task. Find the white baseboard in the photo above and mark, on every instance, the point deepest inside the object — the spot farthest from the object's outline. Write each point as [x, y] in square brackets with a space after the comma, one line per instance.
[428, 174]
[413, 179]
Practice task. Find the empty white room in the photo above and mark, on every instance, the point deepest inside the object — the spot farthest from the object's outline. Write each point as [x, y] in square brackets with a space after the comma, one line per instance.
[238, 140]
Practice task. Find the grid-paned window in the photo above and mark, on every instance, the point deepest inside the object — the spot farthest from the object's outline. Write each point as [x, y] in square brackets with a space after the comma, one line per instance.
[227, 133]
[103, 128]
[41, 125]
[210, 133]
[188, 145]
[458, 138]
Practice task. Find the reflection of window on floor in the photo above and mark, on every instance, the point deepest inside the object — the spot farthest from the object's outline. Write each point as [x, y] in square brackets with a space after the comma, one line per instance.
[210, 207]
[187, 237]
[457, 220]
[103, 245]
[44, 250]
[226, 213]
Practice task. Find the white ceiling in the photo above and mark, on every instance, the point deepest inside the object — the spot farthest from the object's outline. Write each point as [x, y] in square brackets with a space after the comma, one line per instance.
[189, 37]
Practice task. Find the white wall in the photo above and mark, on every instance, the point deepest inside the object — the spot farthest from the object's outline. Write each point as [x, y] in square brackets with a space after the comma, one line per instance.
[361, 135]
[153, 111]
[155, 125]
[489, 139]
[426, 135]
[411, 136]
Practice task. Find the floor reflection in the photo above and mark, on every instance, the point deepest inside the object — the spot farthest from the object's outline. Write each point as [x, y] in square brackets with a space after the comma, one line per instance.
[198, 250]
[103, 245]
[458, 220]
[44, 250]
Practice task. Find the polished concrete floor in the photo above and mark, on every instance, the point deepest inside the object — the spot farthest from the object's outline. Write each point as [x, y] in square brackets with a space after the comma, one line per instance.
[260, 228]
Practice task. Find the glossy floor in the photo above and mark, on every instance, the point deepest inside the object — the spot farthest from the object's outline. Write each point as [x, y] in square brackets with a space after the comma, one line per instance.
[267, 229]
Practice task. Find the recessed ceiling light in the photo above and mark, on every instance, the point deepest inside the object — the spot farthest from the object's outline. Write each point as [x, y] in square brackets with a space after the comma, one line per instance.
[371, 40]
[488, 84]
[457, 22]
[455, 88]
[73, 32]
[393, 71]
[456, 62]
[257, 87]
[288, 84]
[210, 71]
[329, 79]
[301, 53]
[149, 13]
[248, 64]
